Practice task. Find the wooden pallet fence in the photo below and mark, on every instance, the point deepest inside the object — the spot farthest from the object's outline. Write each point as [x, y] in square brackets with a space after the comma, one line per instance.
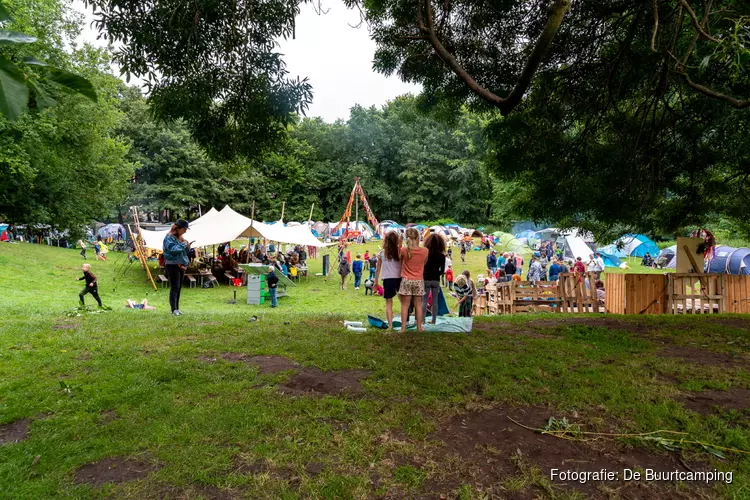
[696, 294]
[615, 299]
[514, 297]
[645, 293]
[737, 289]
[575, 297]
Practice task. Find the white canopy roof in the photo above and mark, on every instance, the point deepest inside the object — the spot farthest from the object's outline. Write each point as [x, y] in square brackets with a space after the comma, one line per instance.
[227, 225]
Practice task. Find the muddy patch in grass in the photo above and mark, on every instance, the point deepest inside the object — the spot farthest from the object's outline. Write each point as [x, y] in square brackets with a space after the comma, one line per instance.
[703, 356]
[609, 323]
[265, 364]
[14, 432]
[64, 327]
[107, 416]
[738, 323]
[114, 470]
[707, 402]
[272, 364]
[315, 381]
[510, 329]
[489, 449]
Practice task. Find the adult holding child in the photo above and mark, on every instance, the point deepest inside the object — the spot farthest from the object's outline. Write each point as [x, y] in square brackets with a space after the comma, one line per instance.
[389, 270]
[413, 259]
[175, 250]
[434, 268]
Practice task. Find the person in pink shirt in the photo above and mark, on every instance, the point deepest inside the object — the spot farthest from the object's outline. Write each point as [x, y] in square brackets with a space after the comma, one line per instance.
[413, 259]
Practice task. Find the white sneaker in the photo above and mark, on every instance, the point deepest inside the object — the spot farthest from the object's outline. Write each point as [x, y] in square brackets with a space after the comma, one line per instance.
[175, 313]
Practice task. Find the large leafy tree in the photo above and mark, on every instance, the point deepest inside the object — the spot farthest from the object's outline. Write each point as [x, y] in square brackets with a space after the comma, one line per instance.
[35, 35]
[64, 166]
[630, 113]
[211, 63]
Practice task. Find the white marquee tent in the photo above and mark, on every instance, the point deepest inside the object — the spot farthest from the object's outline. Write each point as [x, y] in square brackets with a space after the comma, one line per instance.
[217, 227]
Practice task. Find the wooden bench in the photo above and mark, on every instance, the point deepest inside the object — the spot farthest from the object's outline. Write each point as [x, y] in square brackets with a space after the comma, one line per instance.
[163, 280]
[191, 279]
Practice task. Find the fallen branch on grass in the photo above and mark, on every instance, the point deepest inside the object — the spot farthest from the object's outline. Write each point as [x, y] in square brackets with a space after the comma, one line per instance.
[646, 436]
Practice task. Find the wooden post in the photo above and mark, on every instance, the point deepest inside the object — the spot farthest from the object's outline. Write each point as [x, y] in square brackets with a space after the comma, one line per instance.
[695, 268]
[252, 219]
[283, 206]
[309, 219]
[140, 248]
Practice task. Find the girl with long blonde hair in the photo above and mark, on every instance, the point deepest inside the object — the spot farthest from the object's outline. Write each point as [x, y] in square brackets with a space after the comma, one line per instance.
[413, 259]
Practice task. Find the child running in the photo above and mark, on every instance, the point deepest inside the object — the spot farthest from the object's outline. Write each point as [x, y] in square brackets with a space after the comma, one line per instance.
[91, 285]
[82, 246]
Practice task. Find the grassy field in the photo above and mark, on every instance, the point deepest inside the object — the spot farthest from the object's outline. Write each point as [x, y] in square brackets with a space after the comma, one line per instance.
[139, 404]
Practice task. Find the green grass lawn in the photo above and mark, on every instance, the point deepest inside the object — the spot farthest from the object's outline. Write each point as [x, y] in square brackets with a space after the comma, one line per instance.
[183, 403]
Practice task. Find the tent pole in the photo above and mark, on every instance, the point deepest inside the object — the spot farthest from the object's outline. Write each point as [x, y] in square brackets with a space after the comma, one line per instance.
[249, 238]
[309, 219]
[283, 206]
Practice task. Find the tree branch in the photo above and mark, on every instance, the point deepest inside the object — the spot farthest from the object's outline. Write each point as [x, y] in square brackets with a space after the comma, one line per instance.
[696, 23]
[557, 11]
[656, 25]
[735, 103]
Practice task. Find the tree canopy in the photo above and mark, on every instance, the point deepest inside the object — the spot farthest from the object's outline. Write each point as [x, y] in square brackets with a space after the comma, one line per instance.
[212, 64]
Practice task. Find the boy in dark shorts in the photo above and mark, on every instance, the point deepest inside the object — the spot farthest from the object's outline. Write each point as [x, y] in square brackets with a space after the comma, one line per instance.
[91, 285]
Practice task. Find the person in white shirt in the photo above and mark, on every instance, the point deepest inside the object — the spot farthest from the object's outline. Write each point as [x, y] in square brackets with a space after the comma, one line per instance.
[599, 264]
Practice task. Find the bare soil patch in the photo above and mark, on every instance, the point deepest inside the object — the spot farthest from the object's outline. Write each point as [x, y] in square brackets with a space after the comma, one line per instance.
[703, 356]
[64, 326]
[107, 416]
[490, 447]
[739, 323]
[265, 364]
[14, 432]
[272, 364]
[315, 381]
[604, 322]
[114, 470]
[496, 327]
[705, 402]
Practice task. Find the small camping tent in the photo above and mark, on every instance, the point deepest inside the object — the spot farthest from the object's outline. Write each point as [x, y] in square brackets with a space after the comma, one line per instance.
[730, 260]
[574, 247]
[637, 245]
[613, 250]
[506, 242]
[670, 256]
[114, 231]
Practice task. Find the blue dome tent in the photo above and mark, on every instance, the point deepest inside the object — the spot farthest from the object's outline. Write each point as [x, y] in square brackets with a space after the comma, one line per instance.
[614, 251]
[637, 245]
[609, 259]
[730, 260]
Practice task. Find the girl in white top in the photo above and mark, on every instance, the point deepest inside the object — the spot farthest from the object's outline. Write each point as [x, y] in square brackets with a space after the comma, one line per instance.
[389, 269]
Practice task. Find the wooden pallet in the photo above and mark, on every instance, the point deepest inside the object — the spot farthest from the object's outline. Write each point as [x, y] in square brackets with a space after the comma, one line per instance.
[575, 296]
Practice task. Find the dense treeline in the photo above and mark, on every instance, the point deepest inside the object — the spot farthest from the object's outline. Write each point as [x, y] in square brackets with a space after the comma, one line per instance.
[611, 133]
[412, 167]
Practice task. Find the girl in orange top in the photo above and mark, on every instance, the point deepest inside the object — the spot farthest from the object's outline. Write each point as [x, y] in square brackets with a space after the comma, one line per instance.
[413, 259]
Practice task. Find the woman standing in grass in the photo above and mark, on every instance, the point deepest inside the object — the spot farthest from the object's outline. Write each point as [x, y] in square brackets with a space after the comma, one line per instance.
[413, 259]
[389, 269]
[175, 250]
[434, 268]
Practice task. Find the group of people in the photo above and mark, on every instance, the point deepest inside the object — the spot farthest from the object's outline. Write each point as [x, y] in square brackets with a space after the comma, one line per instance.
[414, 273]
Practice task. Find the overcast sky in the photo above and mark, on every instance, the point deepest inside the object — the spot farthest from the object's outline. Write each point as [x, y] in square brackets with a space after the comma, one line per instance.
[334, 56]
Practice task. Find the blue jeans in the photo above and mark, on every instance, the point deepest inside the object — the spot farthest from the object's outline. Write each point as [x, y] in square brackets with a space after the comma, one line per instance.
[357, 279]
[272, 293]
